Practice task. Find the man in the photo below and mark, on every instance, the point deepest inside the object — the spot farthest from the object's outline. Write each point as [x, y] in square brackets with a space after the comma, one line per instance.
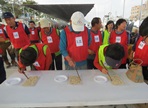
[17, 32]
[109, 56]
[38, 56]
[120, 35]
[74, 42]
[96, 41]
[34, 36]
[5, 45]
[50, 36]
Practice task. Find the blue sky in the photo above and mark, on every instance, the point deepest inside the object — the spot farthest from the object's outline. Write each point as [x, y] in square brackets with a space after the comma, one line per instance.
[101, 7]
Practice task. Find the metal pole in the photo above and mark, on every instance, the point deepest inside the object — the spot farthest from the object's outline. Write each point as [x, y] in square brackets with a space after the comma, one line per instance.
[123, 7]
[13, 7]
[140, 12]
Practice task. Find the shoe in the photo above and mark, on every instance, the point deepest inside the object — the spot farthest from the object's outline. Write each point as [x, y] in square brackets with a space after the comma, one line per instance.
[14, 63]
[8, 65]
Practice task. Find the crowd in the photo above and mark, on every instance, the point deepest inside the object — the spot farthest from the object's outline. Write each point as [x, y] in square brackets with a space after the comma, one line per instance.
[42, 47]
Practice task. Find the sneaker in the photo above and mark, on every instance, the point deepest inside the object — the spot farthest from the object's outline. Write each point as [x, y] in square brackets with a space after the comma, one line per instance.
[8, 65]
[14, 63]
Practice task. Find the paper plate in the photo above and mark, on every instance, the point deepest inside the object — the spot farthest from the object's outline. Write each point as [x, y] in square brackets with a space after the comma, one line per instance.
[13, 81]
[100, 79]
[60, 78]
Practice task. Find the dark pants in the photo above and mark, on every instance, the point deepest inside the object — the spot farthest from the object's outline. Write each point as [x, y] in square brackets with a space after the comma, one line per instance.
[5, 48]
[17, 53]
[2, 71]
[90, 64]
[58, 62]
[145, 72]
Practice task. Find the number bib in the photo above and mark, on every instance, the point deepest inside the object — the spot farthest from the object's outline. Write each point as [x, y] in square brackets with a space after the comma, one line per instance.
[79, 41]
[49, 39]
[16, 35]
[96, 38]
[118, 39]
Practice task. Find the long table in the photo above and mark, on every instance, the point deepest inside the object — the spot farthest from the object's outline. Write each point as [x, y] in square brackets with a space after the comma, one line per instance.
[48, 93]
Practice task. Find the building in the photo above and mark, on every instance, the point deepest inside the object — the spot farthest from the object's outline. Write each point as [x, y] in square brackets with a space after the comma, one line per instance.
[139, 12]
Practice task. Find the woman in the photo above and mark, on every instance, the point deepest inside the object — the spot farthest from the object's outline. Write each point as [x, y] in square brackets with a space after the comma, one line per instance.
[141, 47]
[108, 29]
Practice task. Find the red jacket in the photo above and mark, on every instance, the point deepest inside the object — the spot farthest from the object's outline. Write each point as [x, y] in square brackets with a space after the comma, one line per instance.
[123, 40]
[43, 60]
[34, 36]
[17, 36]
[77, 44]
[96, 41]
[51, 40]
[141, 51]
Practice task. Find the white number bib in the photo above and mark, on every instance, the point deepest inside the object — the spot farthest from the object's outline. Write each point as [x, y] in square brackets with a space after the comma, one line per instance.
[79, 41]
[1, 31]
[36, 64]
[96, 38]
[118, 39]
[32, 32]
[16, 35]
[49, 39]
[141, 45]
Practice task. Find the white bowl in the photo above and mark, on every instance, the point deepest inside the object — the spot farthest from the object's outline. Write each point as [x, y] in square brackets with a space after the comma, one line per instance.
[13, 81]
[100, 79]
[60, 78]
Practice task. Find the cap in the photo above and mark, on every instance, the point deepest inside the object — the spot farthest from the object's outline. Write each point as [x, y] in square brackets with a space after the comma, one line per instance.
[44, 23]
[112, 62]
[7, 15]
[78, 20]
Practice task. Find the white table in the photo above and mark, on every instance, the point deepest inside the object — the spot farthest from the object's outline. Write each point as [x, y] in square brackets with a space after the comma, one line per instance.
[48, 93]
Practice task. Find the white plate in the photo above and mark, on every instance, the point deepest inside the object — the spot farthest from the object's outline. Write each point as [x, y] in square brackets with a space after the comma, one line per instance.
[60, 78]
[100, 79]
[13, 81]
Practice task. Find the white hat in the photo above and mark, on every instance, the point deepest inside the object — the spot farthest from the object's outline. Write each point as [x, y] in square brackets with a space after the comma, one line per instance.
[44, 23]
[77, 20]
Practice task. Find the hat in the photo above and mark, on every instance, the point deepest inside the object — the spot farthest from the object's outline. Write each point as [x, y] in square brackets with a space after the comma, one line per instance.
[78, 20]
[44, 23]
[7, 15]
[112, 62]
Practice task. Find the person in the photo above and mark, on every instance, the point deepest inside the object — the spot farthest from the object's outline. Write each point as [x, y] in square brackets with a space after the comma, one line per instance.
[34, 36]
[134, 35]
[2, 69]
[96, 37]
[37, 55]
[17, 32]
[74, 42]
[119, 35]
[108, 29]
[5, 45]
[50, 36]
[110, 55]
[140, 48]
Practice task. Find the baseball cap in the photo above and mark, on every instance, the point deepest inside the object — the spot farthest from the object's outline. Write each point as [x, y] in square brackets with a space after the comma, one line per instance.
[7, 15]
[44, 23]
[78, 20]
[112, 62]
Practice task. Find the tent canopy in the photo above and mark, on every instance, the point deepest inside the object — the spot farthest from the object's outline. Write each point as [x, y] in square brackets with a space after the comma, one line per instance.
[62, 11]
